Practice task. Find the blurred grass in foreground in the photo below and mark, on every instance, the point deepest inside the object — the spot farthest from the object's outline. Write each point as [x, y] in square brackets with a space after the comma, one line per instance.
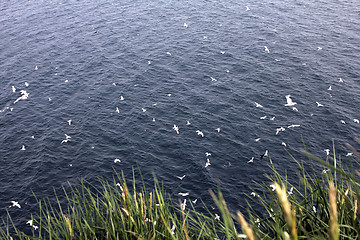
[320, 205]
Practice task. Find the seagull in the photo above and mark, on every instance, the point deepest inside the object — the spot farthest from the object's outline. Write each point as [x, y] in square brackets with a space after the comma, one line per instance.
[289, 101]
[185, 25]
[253, 194]
[217, 217]
[314, 209]
[26, 84]
[319, 48]
[264, 117]
[15, 204]
[67, 136]
[207, 163]
[117, 160]
[176, 128]
[330, 88]
[272, 118]
[319, 104]
[251, 160]
[266, 153]
[153, 119]
[327, 151]
[172, 230]
[349, 154]
[291, 191]
[188, 123]
[114, 84]
[184, 194]
[49, 99]
[30, 222]
[258, 105]
[277, 60]
[23, 148]
[35, 227]
[183, 205]
[325, 171]
[24, 96]
[222, 52]
[168, 53]
[258, 139]
[273, 188]
[284, 144]
[247, 8]
[13, 89]
[342, 121]
[65, 141]
[280, 129]
[181, 178]
[356, 120]
[266, 49]
[69, 121]
[213, 79]
[117, 110]
[200, 133]
[294, 125]
[295, 109]
[207, 154]
[122, 98]
[143, 109]
[205, 37]
[194, 202]
[36, 68]
[341, 80]
[218, 129]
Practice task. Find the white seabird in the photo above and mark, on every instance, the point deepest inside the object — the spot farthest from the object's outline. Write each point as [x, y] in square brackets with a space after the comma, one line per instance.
[289, 101]
[176, 128]
[181, 178]
[319, 104]
[267, 49]
[200, 133]
[184, 194]
[258, 105]
[15, 204]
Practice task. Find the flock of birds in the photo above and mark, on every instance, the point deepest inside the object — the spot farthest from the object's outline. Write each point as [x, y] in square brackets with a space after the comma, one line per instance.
[288, 102]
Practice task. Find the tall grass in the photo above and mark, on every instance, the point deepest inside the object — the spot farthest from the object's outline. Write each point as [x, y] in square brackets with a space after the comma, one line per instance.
[319, 205]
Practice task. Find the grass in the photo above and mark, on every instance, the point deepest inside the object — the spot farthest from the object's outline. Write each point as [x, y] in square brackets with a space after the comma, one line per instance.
[317, 206]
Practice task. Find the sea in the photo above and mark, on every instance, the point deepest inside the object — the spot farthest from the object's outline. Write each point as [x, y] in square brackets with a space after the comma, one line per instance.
[172, 88]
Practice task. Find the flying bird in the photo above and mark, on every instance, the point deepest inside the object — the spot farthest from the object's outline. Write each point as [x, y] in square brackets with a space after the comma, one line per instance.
[207, 163]
[258, 105]
[117, 160]
[13, 89]
[251, 160]
[181, 178]
[289, 101]
[176, 128]
[207, 154]
[218, 129]
[69, 121]
[319, 104]
[200, 133]
[185, 25]
[267, 49]
[23, 148]
[15, 204]
[184, 194]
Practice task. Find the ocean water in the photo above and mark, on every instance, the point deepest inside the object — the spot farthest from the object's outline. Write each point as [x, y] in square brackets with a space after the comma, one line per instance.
[79, 57]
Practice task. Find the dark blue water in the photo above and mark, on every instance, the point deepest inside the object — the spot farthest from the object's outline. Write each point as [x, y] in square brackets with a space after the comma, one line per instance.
[90, 53]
